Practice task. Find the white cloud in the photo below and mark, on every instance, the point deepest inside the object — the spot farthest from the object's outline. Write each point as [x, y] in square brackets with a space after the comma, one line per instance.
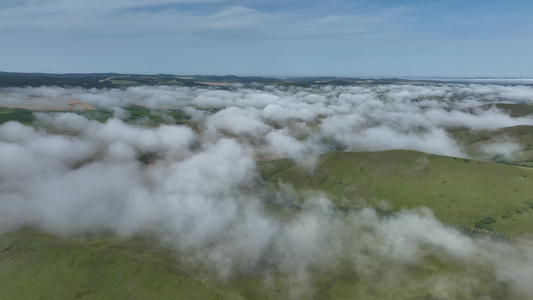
[124, 17]
[201, 191]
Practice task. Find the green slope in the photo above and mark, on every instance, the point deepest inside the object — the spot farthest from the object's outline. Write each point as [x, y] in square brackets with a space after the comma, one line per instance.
[459, 191]
[20, 115]
[513, 109]
[39, 266]
[475, 141]
[34, 265]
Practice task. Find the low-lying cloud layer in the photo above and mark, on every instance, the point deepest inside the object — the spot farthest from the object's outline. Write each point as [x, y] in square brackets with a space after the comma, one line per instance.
[202, 193]
[294, 122]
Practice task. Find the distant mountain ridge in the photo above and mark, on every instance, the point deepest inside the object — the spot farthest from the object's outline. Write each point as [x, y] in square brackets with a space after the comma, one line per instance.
[109, 80]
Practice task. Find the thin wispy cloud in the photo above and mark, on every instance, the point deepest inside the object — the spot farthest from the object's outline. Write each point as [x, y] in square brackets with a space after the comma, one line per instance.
[121, 18]
[343, 38]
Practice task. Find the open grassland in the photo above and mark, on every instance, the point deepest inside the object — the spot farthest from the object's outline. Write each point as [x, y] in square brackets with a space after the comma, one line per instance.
[512, 145]
[20, 115]
[135, 114]
[462, 192]
[513, 109]
[34, 265]
[459, 191]
[489, 201]
[39, 266]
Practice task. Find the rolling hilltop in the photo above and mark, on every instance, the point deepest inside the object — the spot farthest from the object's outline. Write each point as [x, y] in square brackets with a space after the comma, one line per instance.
[459, 191]
[467, 194]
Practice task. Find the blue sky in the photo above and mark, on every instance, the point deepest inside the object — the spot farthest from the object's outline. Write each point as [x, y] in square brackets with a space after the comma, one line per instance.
[366, 38]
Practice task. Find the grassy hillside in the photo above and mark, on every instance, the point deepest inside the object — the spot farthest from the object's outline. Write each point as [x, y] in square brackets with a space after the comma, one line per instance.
[479, 195]
[39, 266]
[34, 265]
[483, 144]
[513, 109]
[459, 191]
[153, 117]
[21, 115]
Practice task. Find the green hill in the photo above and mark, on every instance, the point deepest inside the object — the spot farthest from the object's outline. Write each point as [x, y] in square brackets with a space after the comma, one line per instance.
[513, 109]
[511, 145]
[34, 265]
[467, 193]
[463, 192]
[39, 266]
[459, 191]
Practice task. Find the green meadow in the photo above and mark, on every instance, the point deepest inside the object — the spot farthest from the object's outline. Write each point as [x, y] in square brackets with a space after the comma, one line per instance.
[459, 191]
[487, 197]
[38, 266]
[478, 143]
[24, 116]
[34, 265]
[137, 114]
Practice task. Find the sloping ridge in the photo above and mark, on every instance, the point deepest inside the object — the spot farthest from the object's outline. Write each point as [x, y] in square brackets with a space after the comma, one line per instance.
[521, 136]
[459, 191]
[35, 265]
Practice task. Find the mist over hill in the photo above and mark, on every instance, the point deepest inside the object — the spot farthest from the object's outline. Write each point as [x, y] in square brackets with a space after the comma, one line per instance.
[198, 183]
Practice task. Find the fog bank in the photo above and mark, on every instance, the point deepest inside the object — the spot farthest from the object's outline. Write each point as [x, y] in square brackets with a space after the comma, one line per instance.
[201, 193]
